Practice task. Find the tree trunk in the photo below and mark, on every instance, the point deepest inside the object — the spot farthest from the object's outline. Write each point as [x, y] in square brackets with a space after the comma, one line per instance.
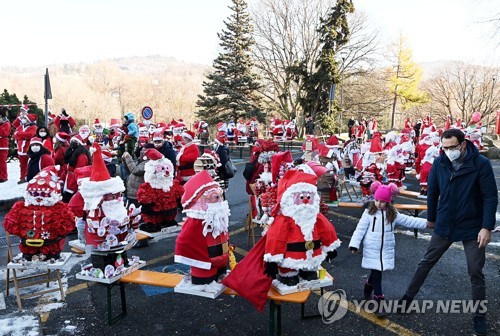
[393, 114]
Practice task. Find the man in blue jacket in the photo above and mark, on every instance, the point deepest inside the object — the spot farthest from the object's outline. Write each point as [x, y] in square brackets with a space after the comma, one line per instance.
[462, 200]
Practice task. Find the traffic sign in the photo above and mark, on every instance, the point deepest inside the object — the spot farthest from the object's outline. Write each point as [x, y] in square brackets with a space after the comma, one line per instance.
[147, 112]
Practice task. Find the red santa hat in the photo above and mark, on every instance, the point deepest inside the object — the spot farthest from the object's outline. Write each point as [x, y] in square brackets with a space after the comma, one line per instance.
[97, 122]
[36, 140]
[24, 108]
[447, 123]
[221, 138]
[317, 168]
[376, 143]
[153, 154]
[78, 139]
[293, 181]
[188, 134]
[195, 187]
[115, 123]
[100, 182]
[333, 141]
[62, 136]
[158, 135]
[276, 161]
[46, 181]
[161, 125]
[83, 172]
[32, 117]
[221, 126]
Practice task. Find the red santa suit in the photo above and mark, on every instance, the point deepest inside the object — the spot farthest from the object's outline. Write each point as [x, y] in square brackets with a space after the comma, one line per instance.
[360, 132]
[431, 153]
[41, 220]
[395, 166]
[159, 194]
[420, 150]
[203, 241]
[185, 161]
[76, 161]
[5, 129]
[62, 144]
[23, 134]
[64, 123]
[372, 170]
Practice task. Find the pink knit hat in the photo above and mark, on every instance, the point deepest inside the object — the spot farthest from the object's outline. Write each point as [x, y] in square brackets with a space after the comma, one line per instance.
[383, 192]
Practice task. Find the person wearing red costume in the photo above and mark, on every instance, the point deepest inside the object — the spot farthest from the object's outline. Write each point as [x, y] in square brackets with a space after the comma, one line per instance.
[159, 194]
[76, 156]
[360, 132]
[188, 154]
[64, 122]
[61, 144]
[203, 242]
[23, 134]
[43, 133]
[41, 220]
[39, 158]
[5, 128]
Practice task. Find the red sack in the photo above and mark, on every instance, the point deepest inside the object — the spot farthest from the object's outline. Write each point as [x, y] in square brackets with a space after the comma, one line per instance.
[248, 278]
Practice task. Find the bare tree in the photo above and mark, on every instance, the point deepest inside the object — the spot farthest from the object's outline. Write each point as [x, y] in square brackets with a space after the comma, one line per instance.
[460, 89]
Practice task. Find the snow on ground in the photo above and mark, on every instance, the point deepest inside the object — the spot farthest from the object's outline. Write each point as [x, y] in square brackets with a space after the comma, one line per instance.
[10, 189]
[25, 325]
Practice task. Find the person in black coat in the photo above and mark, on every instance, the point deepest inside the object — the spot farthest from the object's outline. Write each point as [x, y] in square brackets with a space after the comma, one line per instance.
[166, 149]
[350, 123]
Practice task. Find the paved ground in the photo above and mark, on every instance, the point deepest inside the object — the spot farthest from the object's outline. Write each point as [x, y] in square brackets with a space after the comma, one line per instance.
[162, 312]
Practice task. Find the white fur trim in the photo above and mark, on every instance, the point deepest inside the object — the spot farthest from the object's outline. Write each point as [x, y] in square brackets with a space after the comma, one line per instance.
[333, 246]
[306, 169]
[160, 180]
[268, 257]
[309, 264]
[93, 191]
[192, 262]
[186, 135]
[266, 177]
[288, 274]
[290, 209]
[47, 201]
[200, 188]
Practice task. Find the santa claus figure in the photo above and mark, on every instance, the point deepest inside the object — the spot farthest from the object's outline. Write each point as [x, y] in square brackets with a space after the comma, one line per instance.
[253, 131]
[430, 154]
[188, 154]
[201, 128]
[107, 223]
[159, 194]
[98, 132]
[41, 220]
[222, 130]
[372, 166]
[231, 131]
[291, 130]
[143, 135]
[203, 241]
[425, 142]
[300, 238]
[395, 166]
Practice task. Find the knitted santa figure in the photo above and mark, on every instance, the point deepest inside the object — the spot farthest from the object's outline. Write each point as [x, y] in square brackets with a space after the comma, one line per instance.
[395, 166]
[203, 240]
[300, 237]
[107, 227]
[430, 154]
[373, 162]
[159, 193]
[41, 220]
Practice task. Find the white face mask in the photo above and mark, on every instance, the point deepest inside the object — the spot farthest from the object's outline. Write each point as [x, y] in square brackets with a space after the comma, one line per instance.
[35, 149]
[42, 134]
[452, 154]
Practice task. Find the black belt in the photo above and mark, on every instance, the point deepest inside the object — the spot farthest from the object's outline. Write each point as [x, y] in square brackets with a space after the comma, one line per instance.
[187, 166]
[218, 250]
[303, 246]
[45, 242]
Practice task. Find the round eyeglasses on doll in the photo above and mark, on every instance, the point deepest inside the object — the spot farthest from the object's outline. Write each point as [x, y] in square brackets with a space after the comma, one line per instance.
[213, 195]
[40, 193]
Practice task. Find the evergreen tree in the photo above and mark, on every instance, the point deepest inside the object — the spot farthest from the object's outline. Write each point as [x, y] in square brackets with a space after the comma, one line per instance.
[231, 90]
[334, 33]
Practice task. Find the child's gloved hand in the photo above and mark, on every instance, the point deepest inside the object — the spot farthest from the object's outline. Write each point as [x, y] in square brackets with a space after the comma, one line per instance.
[330, 255]
[353, 249]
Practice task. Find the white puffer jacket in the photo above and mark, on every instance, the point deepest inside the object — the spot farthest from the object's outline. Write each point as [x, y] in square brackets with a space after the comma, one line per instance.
[378, 238]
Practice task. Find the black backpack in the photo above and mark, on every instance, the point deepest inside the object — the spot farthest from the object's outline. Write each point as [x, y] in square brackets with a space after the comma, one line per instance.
[249, 169]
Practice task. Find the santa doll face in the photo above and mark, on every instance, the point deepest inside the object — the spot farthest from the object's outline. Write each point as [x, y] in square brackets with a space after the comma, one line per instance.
[305, 197]
[84, 132]
[41, 198]
[209, 197]
[98, 128]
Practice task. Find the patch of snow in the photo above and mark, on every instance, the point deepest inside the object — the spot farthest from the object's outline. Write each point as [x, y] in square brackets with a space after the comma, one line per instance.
[10, 189]
[47, 307]
[70, 327]
[26, 325]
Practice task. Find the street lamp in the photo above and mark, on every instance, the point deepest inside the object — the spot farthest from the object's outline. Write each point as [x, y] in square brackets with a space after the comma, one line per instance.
[490, 104]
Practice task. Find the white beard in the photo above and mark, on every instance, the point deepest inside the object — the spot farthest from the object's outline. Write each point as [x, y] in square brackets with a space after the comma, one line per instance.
[215, 218]
[304, 215]
[44, 201]
[114, 210]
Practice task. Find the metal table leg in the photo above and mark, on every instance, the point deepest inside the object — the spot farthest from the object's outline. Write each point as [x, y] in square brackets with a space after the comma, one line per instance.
[109, 294]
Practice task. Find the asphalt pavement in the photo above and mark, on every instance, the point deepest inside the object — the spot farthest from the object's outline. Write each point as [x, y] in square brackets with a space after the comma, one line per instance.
[159, 311]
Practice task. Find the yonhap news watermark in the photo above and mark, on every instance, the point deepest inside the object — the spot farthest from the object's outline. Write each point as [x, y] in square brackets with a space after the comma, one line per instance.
[333, 306]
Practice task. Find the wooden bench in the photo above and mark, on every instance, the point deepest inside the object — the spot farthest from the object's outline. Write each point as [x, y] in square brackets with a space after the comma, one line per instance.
[404, 192]
[170, 280]
[416, 208]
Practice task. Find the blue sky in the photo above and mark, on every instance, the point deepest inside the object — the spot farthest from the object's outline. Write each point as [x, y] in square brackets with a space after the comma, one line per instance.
[55, 31]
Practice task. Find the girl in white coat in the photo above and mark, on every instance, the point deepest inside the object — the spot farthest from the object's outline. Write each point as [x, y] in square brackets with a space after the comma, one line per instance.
[376, 230]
